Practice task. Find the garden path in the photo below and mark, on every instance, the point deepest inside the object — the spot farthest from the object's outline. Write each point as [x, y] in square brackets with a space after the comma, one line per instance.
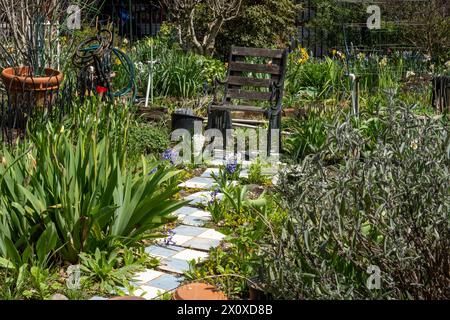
[190, 240]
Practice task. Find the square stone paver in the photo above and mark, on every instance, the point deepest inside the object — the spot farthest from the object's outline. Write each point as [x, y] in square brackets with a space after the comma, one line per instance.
[193, 216]
[185, 211]
[175, 240]
[146, 276]
[163, 251]
[212, 234]
[201, 214]
[189, 231]
[203, 198]
[174, 265]
[195, 221]
[148, 292]
[202, 243]
[199, 183]
[166, 282]
[190, 254]
[209, 172]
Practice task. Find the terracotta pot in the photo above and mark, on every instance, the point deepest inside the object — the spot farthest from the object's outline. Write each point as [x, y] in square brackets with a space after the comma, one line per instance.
[18, 81]
[198, 291]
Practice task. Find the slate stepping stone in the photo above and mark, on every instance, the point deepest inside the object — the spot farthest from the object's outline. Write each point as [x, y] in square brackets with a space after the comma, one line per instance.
[174, 265]
[193, 216]
[189, 231]
[195, 221]
[202, 198]
[199, 183]
[212, 234]
[208, 173]
[189, 254]
[142, 278]
[202, 243]
[162, 251]
[166, 282]
[175, 240]
[148, 292]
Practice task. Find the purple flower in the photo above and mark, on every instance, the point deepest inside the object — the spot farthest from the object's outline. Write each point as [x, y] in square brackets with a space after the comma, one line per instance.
[169, 239]
[169, 155]
[231, 166]
[153, 171]
[214, 195]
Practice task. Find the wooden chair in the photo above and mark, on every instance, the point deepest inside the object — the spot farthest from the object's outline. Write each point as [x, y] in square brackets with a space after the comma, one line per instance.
[242, 88]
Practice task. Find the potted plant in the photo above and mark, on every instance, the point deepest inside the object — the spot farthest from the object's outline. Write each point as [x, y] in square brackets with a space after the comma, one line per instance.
[31, 55]
[26, 48]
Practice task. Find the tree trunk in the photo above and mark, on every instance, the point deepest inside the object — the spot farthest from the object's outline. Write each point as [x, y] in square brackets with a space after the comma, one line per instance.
[209, 40]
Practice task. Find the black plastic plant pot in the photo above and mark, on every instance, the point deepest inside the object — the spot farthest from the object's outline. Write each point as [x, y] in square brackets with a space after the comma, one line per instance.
[184, 119]
[441, 93]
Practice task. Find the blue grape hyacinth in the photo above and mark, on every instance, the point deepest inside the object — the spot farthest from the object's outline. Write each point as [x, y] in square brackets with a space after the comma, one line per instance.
[169, 155]
[214, 195]
[231, 166]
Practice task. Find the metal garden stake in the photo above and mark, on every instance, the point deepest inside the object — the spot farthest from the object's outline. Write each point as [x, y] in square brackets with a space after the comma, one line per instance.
[152, 62]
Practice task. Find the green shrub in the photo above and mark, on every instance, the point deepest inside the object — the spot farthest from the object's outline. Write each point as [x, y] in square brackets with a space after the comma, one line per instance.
[146, 139]
[386, 206]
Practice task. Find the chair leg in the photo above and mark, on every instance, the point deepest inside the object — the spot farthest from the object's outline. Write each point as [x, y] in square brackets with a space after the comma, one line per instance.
[220, 120]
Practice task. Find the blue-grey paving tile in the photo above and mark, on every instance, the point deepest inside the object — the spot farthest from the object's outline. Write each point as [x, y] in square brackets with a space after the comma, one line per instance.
[189, 231]
[195, 221]
[174, 265]
[185, 211]
[163, 251]
[202, 244]
[166, 282]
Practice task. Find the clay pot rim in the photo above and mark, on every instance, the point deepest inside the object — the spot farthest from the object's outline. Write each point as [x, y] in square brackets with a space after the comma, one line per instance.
[53, 77]
[209, 290]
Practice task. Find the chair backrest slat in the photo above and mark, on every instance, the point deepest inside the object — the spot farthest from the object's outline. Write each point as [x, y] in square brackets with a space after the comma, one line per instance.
[250, 82]
[257, 52]
[252, 67]
[248, 95]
